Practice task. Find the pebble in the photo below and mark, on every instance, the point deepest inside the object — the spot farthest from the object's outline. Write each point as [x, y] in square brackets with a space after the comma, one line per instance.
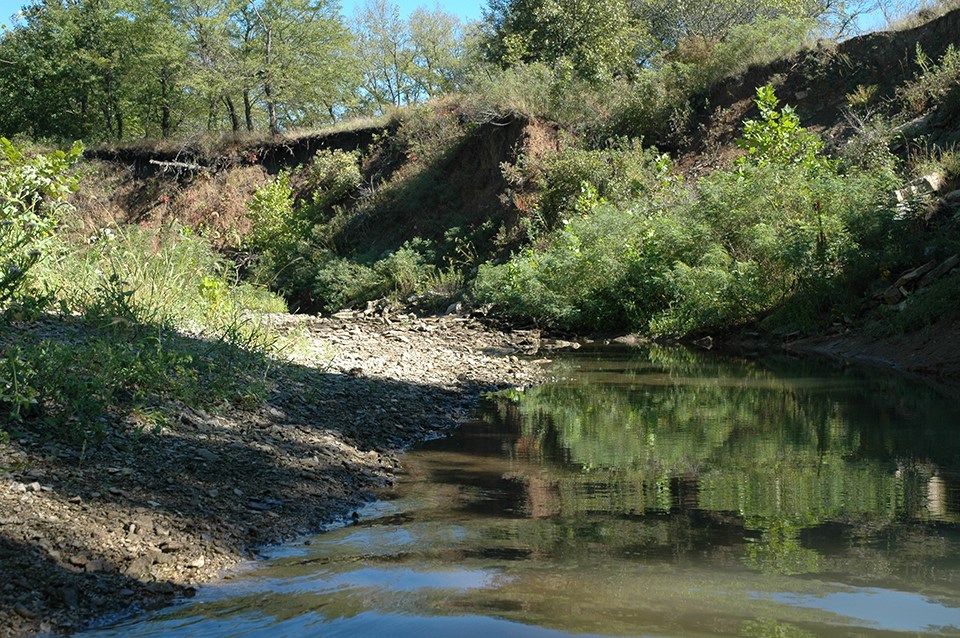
[321, 445]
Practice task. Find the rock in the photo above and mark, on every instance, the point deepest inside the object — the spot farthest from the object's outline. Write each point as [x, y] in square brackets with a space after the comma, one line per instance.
[70, 596]
[953, 197]
[140, 565]
[948, 264]
[34, 487]
[910, 276]
[24, 612]
[892, 296]
[206, 455]
[925, 185]
[454, 309]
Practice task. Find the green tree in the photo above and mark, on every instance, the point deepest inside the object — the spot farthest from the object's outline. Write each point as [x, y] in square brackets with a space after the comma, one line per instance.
[300, 48]
[597, 39]
[405, 62]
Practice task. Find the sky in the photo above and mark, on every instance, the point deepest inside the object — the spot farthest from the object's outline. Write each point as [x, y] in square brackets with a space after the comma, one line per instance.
[466, 9]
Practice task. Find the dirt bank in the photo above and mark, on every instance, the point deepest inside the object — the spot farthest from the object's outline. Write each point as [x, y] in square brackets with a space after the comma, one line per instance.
[139, 520]
[933, 352]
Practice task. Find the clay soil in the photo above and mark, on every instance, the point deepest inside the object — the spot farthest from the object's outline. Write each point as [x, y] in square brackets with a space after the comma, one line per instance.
[138, 521]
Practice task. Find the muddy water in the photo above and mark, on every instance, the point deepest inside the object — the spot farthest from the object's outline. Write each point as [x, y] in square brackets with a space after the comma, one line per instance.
[657, 493]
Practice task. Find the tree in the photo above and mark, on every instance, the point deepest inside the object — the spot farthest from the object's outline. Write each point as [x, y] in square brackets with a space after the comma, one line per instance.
[596, 38]
[405, 61]
[300, 47]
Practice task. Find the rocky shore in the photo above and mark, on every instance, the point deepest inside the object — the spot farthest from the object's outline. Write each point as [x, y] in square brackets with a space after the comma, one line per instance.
[140, 520]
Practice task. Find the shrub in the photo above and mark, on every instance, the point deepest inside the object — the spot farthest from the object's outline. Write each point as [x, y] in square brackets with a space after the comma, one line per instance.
[935, 84]
[618, 173]
[331, 176]
[783, 229]
[33, 192]
[273, 222]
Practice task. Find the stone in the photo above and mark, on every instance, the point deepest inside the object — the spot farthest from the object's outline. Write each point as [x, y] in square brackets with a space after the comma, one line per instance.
[925, 185]
[946, 266]
[207, 455]
[910, 276]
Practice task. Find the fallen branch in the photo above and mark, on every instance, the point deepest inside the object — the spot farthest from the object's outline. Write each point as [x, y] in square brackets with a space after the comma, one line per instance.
[179, 165]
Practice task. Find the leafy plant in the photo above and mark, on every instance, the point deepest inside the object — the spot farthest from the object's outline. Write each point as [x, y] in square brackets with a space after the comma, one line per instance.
[778, 137]
[33, 192]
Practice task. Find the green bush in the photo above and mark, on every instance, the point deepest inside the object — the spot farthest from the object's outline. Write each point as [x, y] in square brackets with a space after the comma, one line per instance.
[657, 104]
[332, 176]
[273, 222]
[341, 283]
[784, 229]
[619, 173]
[936, 83]
[33, 193]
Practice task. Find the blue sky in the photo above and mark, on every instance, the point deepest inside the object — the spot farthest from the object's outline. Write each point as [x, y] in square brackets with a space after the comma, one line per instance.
[466, 9]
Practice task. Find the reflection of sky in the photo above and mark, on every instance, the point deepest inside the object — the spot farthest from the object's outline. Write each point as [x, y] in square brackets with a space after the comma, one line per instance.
[373, 624]
[406, 580]
[881, 608]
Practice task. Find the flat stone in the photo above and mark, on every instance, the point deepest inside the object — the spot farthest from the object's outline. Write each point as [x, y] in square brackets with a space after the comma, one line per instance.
[912, 275]
[946, 266]
[207, 455]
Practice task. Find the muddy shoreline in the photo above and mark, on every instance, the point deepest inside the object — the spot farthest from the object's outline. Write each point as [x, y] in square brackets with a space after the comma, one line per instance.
[141, 521]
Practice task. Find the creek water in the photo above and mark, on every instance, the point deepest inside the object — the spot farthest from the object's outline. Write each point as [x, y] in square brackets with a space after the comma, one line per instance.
[641, 493]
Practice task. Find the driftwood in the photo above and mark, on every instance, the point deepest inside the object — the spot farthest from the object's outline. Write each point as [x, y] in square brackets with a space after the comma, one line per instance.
[179, 166]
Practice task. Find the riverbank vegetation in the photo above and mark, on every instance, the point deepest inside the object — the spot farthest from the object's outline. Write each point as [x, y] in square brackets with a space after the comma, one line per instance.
[92, 330]
[581, 179]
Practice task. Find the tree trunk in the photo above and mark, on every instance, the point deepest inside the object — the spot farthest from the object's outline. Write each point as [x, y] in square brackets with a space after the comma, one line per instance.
[268, 87]
[164, 109]
[247, 109]
[211, 113]
[119, 122]
[232, 110]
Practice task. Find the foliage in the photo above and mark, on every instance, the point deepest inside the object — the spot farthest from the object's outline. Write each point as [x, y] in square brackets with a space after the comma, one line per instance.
[657, 103]
[935, 84]
[117, 69]
[33, 193]
[136, 295]
[331, 176]
[784, 230]
[405, 62]
[76, 390]
[778, 138]
[168, 277]
[594, 40]
[619, 173]
[272, 219]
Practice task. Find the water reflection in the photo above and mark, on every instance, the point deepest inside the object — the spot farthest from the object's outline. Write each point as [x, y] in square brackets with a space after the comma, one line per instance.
[642, 493]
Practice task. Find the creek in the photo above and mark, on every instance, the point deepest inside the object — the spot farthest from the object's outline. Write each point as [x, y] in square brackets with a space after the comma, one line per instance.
[653, 492]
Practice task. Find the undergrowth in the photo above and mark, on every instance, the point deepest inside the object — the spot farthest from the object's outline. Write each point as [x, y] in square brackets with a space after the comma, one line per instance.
[103, 331]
